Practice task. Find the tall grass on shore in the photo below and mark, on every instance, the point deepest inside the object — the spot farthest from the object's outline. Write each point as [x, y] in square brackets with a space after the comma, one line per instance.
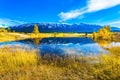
[13, 57]
[24, 64]
[110, 64]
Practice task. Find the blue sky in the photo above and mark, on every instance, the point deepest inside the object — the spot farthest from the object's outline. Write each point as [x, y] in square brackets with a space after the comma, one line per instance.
[102, 12]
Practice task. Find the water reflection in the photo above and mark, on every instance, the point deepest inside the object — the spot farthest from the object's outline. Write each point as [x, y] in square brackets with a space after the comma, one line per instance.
[104, 43]
[52, 40]
[63, 46]
[70, 46]
[36, 41]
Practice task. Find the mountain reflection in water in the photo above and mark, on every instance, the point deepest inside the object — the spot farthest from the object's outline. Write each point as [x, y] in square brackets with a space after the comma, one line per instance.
[61, 46]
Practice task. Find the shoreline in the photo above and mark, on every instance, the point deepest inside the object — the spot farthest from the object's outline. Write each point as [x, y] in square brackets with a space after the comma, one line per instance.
[5, 37]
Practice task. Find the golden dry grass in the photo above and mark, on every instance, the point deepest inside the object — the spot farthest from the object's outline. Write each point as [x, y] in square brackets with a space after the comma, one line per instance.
[4, 37]
[10, 36]
[13, 57]
[17, 63]
[109, 66]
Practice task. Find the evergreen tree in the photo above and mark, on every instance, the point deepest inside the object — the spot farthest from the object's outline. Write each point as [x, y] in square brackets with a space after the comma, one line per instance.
[8, 29]
[3, 29]
[35, 30]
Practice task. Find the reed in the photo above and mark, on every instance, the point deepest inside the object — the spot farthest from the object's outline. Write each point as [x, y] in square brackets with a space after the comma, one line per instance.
[13, 57]
[18, 63]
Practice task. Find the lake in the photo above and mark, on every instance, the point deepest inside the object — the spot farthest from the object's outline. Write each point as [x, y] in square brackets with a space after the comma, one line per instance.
[62, 46]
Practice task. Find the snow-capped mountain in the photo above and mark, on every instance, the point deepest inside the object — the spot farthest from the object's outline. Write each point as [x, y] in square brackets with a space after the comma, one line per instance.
[58, 27]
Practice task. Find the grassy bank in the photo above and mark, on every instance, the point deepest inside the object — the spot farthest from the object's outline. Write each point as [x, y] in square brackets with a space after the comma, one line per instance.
[20, 36]
[42, 35]
[12, 36]
[18, 63]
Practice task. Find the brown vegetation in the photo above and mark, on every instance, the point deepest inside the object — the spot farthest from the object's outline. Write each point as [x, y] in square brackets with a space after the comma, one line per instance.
[26, 64]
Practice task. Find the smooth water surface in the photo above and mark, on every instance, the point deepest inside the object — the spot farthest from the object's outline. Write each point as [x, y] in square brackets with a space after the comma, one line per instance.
[61, 46]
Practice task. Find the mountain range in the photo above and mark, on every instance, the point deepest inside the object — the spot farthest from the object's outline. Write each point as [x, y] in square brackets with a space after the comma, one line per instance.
[59, 27]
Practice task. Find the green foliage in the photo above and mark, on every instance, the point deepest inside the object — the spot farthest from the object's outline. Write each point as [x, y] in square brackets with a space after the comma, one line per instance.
[103, 34]
[3, 29]
[35, 30]
[8, 29]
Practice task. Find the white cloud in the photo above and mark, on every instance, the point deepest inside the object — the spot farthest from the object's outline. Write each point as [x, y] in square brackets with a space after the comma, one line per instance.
[9, 22]
[71, 15]
[115, 23]
[92, 6]
[96, 5]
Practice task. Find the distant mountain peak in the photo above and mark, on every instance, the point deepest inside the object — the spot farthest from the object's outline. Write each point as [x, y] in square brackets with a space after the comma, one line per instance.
[61, 27]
